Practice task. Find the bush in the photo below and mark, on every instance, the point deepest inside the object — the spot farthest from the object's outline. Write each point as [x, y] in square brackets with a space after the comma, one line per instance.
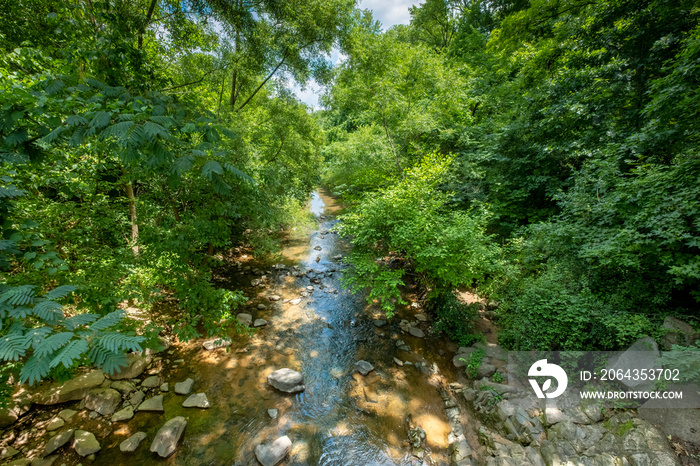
[412, 221]
[556, 310]
[454, 318]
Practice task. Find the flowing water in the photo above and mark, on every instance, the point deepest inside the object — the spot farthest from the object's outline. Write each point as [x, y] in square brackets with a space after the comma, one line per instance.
[342, 418]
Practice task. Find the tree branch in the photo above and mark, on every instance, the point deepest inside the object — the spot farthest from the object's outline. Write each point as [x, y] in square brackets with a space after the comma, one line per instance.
[284, 57]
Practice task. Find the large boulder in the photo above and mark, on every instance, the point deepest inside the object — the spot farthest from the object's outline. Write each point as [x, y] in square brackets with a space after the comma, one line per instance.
[72, 390]
[643, 354]
[274, 453]
[678, 333]
[136, 364]
[103, 400]
[85, 443]
[492, 350]
[167, 437]
[287, 380]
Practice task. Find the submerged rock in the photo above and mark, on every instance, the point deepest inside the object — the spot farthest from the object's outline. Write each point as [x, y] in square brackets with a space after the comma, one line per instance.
[132, 443]
[245, 319]
[165, 442]
[196, 401]
[364, 367]
[274, 453]
[287, 380]
[184, 388]
[259, 323]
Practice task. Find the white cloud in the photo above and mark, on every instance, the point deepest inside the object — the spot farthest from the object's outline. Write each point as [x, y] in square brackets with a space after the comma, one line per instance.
[309, 95]
[389, 13]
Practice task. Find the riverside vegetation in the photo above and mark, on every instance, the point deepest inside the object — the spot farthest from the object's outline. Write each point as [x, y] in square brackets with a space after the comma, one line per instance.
[543, 154]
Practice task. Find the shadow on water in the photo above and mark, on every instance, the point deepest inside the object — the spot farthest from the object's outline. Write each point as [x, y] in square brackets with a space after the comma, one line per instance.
[342, 418]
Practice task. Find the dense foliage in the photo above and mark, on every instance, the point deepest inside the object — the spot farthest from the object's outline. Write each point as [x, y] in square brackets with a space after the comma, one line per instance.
[541, 153]
[125, 173]
[572, 129]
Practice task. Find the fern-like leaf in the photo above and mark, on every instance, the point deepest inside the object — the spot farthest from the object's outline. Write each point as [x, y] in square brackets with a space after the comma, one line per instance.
[77, 138]
[10, 192]
[210, 168]
[239, 174]
[76, 120]
[228, 133]
[118, 130]
[60, 292]
[34, 370]
[115, 342]
[100, 120]
[107, 321]
[36, 336]
[18, 295]
[77, 321]
[48, 310]
[13, 347]
[53, 135]
[108, 361]
[20, 312]
[164, 121]
[54, 86]
[69, 353]
[152, 130]
[53, 343]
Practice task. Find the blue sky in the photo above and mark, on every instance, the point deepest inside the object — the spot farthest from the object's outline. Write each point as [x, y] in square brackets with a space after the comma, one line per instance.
[388, 12]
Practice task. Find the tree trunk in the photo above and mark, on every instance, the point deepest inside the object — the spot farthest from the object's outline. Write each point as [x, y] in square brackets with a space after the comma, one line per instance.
[132, 214]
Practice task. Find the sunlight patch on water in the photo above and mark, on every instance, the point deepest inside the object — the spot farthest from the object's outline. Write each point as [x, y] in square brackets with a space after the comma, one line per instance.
[316, 205]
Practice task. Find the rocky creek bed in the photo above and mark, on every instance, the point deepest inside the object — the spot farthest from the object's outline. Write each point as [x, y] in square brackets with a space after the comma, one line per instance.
[322, 379]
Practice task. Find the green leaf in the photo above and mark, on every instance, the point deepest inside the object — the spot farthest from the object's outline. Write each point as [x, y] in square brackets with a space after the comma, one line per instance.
[210, 168]
[34, 369]
[61, 292]
[79, 320]
[107, 321]
[13, 347]
[50, 311]
[69, 353]
[53, 343]
[100, 120]
[18, 295]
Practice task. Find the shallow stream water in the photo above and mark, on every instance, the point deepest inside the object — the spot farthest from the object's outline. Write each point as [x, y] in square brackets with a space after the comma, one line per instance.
[342, 418]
